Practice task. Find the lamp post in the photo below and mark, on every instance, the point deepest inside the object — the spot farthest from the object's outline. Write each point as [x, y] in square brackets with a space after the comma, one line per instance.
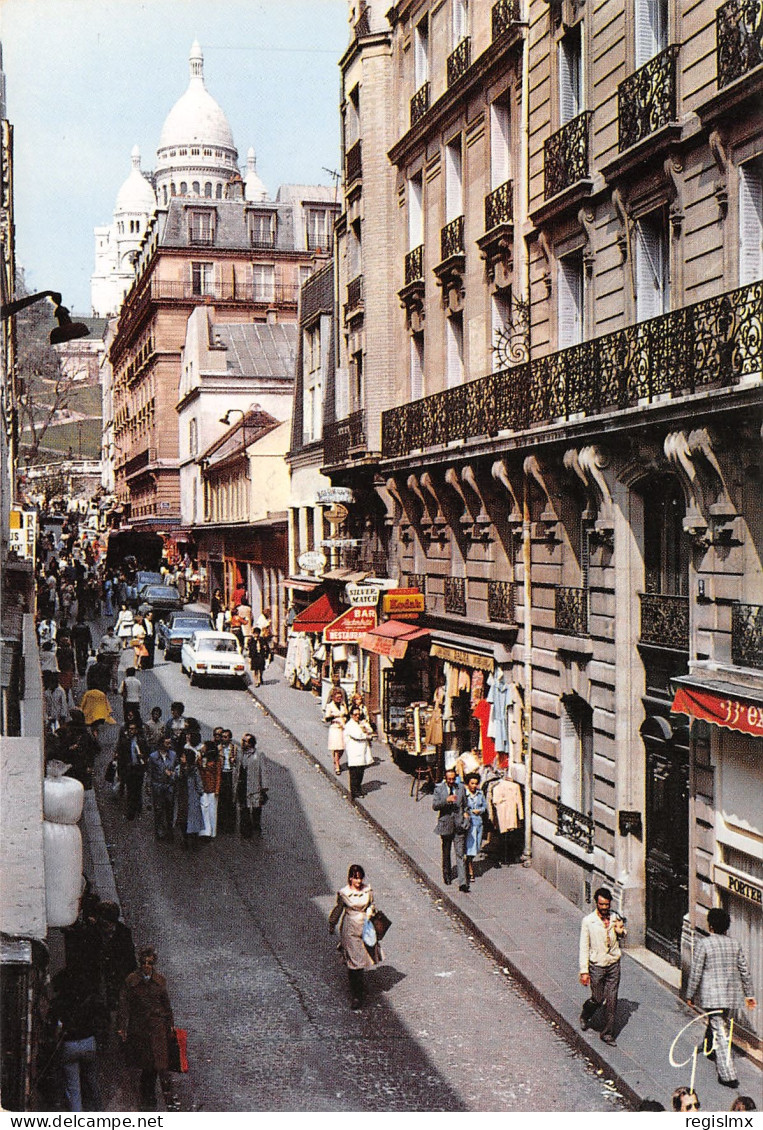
[66, 330]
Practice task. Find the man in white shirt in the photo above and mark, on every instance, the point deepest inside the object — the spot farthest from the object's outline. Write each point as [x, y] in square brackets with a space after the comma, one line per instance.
[600, 933]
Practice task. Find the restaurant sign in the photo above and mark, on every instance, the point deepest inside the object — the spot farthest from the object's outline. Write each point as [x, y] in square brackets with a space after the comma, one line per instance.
[312, 561]
[350, 625]
[731, 713]
[402, 603]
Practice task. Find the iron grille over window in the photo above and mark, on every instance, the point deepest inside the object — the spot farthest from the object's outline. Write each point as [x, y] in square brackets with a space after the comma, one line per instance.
[504, 15]
[575, 826]
[452, 238]
[459, 60]
[571, 616]
[420, 103]
[565, 155]
[499, 206]
[455, 595]
[747, 635]
[665, 620]
[414, 265]
[500, 602]
[418, 581]
[646, 100]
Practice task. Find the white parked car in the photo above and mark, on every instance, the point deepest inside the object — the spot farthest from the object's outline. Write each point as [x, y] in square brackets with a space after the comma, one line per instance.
[213, 655]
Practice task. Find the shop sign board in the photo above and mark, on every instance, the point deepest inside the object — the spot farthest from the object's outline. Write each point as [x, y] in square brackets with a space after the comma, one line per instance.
[401, 603]
[738, 884]
[731, 713]
[336, 514]
[312, 561]
[334, 494]
[23, 532]
[362, 596]
[340, 543]
[350, 625]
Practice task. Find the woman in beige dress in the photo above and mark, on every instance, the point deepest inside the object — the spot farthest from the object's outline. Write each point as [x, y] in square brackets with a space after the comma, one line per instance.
[354, 906]
[336, 716]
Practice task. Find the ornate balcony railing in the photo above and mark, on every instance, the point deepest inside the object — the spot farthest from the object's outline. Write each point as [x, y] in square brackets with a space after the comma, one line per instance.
[417, 581]
[747, 635]
[738, 39]
[575, 826]
[571, 616]
[340, 437]
[452, 238]
[353, 163]
[504, 15]
[646, 100]
[665, 620]
[500, 602]
[420, 103]
[565, 155]
[354, 295]
[414, 265]
[712, 344]
[459, 60]
[499, 206]
[455, 595]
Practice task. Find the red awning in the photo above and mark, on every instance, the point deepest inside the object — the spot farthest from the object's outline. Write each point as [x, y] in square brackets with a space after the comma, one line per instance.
[721, 709]
[317, 615]
[392, 638]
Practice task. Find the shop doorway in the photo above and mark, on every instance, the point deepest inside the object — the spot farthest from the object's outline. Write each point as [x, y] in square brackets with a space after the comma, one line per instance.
[667, 835]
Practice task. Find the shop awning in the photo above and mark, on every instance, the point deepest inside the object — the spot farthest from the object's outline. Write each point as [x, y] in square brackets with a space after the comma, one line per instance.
[302, 584]
[392, 638]
[732, 706]
[346, 576]
[317, 615]
[462, 658]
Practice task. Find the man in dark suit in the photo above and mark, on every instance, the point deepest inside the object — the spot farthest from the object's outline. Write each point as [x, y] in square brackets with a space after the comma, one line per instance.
[449, 799]
[722, 975]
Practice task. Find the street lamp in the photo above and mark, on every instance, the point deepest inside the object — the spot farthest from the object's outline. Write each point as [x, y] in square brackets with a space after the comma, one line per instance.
[66, 330]
[226, 418]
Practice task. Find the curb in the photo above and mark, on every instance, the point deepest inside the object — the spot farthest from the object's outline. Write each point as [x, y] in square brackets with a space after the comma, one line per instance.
[570, 1033]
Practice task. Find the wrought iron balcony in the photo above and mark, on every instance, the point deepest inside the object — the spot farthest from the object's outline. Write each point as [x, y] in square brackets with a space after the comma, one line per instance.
[353, 163]
[354, 295]
[420, 103]
[505, 14]
[665, 620]
[713, 344]
[571, 615]
[499, 206]
[459, 60]
[455, 595]
[500, 602]
[363, 22]
[565, 155]
[414, 265]
[575, 826]
[738, 39]
[342, 437]
[417, 581]
[452, 239]
[747, 635]
[167, 290]
[646, 100]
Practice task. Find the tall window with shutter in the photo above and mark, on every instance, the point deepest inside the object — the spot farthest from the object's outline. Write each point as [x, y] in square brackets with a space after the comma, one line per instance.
[415, 212]
[501, 311]
[576, 754]
[570, 299]
[570, 76]
[652, 280]
[651, 29]
[421, 53]
[454, 329]
[264, 279]
[454, 195]
[750, 222]
[417, 366]
[500, 142]
[460, 21]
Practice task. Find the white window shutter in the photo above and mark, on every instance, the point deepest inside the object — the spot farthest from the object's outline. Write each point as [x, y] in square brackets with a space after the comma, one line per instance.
[415, 213]
[342, 386]
[569, 78]
[569, 757]
[453, 183]
[570, 302]
[417, 368]
[421, 53]
[500, 144]
[750, 224]
[651, 283]
[455, 351]
[651, 29]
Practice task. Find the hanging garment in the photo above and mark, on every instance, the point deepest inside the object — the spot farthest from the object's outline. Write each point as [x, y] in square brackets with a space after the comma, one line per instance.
[434, 735]
[482, 711]
[506, 798]
[478, 687]
[464, 680]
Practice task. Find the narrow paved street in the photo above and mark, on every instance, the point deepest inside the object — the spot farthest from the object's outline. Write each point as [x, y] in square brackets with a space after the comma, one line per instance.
[241, 929]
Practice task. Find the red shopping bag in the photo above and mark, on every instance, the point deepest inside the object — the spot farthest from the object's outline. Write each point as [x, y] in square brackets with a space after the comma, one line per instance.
[177, 1050]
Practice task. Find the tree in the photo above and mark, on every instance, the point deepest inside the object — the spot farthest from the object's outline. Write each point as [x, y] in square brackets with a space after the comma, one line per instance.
[44, 390]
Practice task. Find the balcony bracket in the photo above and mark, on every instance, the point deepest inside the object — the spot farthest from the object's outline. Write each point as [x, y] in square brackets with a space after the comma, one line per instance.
[588, 464]
[721, 186]
[548, 526]
[673, 168]
[412, 301]
[450, 277]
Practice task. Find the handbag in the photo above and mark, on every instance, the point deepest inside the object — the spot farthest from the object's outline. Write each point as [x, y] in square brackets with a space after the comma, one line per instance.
[111, 772]
[177, 1050]
[263, 797]
[381, 923]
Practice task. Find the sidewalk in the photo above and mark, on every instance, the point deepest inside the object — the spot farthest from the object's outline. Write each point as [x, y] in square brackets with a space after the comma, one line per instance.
[526, 924]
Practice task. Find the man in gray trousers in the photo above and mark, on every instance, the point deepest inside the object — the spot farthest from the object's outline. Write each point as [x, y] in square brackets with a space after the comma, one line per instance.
[449, 799]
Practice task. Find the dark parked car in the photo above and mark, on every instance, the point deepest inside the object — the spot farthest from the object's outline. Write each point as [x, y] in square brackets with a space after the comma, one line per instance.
[162, 598]
[142, 578]
[173, 632]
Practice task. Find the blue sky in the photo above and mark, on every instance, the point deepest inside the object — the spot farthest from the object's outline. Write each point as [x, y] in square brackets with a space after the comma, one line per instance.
[88, 79]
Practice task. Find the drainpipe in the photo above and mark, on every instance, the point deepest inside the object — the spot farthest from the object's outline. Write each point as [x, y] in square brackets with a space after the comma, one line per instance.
[523, 193]
[527, 713]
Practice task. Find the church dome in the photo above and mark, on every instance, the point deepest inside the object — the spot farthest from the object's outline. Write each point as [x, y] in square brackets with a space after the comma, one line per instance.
[136, 194]
[196, 119]
[255, 189]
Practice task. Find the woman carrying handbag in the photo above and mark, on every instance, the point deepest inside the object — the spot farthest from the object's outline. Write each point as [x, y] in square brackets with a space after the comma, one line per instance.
[354, 906]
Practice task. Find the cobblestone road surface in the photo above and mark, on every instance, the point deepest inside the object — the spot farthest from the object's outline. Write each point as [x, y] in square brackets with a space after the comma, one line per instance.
[241, 929]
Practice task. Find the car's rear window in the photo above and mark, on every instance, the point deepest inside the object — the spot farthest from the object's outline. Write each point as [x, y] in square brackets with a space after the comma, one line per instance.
[217, 645]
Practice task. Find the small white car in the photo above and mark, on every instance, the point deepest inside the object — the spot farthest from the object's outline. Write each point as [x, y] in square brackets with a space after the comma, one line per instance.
[213, 655]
